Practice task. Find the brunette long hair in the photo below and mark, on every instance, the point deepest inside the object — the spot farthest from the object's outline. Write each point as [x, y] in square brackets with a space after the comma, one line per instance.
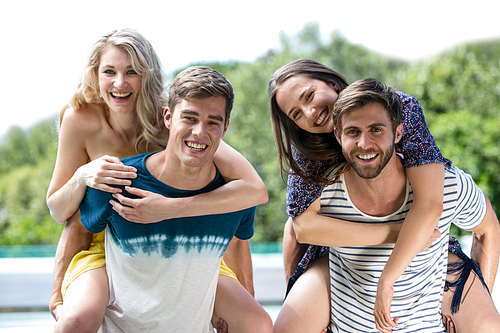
[317, 148]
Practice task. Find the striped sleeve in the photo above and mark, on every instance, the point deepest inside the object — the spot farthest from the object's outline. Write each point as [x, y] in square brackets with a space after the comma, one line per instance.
[471, 202]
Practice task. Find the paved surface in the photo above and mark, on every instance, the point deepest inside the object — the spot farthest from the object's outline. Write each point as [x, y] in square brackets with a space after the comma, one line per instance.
[25, 285]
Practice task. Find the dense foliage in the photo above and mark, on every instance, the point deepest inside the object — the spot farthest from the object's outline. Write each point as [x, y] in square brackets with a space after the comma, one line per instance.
[459, 91]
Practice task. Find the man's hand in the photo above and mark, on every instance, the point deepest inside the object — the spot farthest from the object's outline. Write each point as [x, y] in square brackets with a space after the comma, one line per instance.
[382, 311]
[55, 305]
[150, 207]
[221, 326]
[435, 235]
[448, 323]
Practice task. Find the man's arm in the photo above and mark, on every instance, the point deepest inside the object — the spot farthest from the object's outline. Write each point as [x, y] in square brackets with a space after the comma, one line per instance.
[312, 228]
[243, 189]
[486, 245]
[74, 239]
[239, 259]
[292, 251]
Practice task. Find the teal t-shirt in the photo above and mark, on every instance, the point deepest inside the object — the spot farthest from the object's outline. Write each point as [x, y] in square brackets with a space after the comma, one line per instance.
[193, 233]
[162, 276]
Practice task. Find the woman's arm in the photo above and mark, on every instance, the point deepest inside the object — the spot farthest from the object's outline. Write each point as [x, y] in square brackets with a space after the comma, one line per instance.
[427, 183]
[65, 191]
[73, 172]
[425, 170]
[244, 189]
[428, 187]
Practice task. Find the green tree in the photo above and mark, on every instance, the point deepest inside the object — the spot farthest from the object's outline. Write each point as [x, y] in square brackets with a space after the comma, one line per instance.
[459, 91]
[27, 162]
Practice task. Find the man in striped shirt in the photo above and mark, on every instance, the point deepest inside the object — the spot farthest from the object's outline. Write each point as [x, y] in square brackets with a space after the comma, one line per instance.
[375, 189]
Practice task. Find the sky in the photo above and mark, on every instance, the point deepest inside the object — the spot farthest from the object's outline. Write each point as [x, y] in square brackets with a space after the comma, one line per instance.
[45, 44]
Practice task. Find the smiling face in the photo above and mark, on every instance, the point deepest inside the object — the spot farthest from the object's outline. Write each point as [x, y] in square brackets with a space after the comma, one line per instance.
[308, 102]
[196, 127]
[119, 84]
[367, 140]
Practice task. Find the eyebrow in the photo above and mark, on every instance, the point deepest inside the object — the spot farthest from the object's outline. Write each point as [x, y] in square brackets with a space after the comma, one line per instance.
[378, 125]
[111, 66]
[369, 126]
[194, 113]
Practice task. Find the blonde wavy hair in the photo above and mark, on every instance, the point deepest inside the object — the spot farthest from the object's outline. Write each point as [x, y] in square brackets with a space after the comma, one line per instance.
[151, 100]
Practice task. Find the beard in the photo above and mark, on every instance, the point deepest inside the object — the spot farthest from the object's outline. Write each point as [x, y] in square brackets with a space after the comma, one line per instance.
[373, 170]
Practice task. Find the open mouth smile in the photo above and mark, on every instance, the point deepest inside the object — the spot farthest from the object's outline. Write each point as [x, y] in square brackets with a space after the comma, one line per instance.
[120, 96]
[321, 118]
[366, 157]
[195, 146]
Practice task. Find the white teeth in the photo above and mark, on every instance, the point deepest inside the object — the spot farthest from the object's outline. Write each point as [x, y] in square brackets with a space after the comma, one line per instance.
[195, 146]
[117, 94]
[321, 118]
[367, 156]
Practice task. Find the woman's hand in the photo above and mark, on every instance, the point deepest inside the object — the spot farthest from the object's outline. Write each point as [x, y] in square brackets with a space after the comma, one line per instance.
[382, 311]
[105, 171]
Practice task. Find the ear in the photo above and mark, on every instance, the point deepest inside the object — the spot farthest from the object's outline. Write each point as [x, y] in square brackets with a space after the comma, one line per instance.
[167, 117]
[399, 133]
[335, 87]
[225, 128]
[337, 136]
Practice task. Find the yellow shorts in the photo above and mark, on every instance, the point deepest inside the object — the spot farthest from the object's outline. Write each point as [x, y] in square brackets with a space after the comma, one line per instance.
[225, 270]
[85, 260]
[94, 257]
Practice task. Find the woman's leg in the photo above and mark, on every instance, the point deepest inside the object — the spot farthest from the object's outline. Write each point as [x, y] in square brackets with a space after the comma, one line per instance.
[307, 306]
[85, 303]
[239, 309]
[477, 311]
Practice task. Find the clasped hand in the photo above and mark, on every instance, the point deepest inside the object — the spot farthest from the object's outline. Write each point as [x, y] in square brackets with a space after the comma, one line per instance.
[104, 172]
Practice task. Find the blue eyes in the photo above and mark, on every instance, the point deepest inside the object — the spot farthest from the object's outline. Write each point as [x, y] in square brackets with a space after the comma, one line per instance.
[112, 72]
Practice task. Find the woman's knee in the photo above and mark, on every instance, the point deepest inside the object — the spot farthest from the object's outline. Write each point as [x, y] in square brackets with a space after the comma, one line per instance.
[307, 306]
[81, 312]
[79, 320]
[262, 323]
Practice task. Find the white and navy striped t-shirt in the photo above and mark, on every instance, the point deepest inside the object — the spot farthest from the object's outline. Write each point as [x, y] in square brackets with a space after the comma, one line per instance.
[354, 271]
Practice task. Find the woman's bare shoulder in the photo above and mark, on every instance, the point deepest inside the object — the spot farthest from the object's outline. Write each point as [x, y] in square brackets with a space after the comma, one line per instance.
[89, 118]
